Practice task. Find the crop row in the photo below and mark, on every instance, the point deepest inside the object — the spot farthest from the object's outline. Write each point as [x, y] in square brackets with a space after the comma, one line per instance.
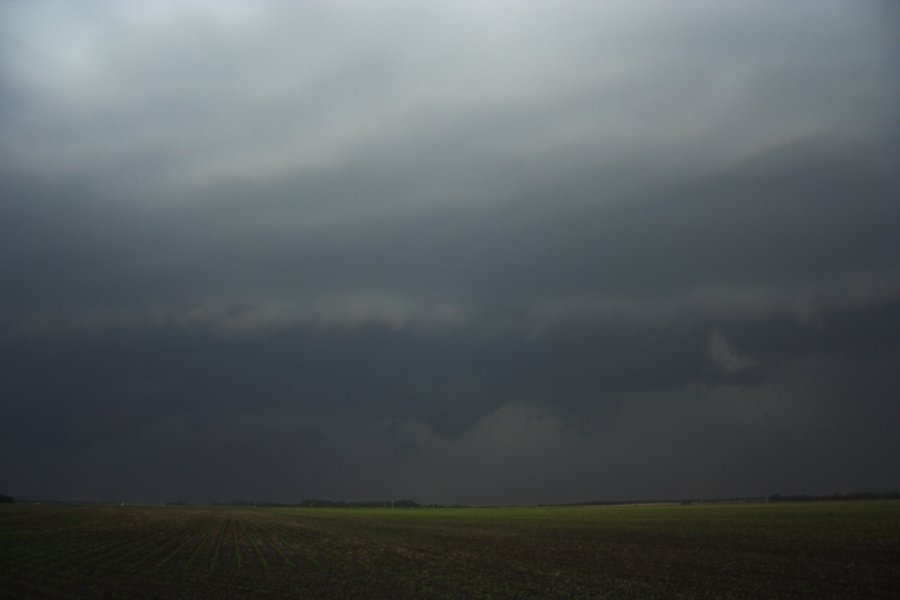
[724, 552]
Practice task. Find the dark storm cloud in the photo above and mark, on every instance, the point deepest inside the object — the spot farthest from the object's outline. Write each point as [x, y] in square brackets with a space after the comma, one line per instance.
[792, 222]
[596, 239]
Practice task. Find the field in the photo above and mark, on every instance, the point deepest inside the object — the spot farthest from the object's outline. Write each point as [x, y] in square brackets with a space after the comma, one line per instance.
[777, 550]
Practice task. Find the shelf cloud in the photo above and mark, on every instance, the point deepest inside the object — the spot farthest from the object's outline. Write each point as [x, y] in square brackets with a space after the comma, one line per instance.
[513, 252]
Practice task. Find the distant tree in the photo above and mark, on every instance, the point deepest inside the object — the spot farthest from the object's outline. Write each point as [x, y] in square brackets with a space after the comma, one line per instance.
[6, 499]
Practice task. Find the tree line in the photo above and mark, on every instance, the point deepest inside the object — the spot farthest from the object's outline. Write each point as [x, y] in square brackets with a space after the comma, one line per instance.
[319, 503]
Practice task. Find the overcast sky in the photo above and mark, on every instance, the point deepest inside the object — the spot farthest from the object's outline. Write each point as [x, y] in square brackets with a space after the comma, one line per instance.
[460, 252]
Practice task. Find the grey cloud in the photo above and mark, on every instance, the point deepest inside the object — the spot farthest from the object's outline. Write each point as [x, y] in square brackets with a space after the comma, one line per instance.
[120, 380]
[726, 356]
[600, 239]
[813, 217]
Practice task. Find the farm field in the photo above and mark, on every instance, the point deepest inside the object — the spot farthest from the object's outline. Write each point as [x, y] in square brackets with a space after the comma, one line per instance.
[777, 550]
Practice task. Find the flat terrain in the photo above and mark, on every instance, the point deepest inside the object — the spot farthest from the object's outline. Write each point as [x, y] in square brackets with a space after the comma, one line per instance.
[778, 550]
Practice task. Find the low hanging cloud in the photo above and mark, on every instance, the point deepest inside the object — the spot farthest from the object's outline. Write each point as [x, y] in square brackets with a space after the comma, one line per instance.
[725, 356]
[567, 236]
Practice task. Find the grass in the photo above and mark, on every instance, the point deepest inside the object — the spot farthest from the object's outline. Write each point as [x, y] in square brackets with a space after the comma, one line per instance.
[776, 550]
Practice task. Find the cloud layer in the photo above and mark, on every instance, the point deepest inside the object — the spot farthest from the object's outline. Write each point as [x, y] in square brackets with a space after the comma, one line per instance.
[466, 253]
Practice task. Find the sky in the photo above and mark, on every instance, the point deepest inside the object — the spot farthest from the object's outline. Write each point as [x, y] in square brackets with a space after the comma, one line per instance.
[458, 252]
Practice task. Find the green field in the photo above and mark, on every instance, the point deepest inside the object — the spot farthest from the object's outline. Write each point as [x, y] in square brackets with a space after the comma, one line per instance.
[779, 550]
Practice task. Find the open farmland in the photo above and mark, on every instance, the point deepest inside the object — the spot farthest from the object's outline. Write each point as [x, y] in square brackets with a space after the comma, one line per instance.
[790, 550]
